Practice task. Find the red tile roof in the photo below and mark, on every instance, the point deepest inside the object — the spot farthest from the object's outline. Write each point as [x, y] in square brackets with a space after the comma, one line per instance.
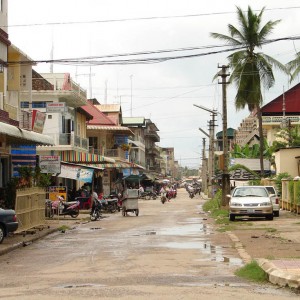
[292, 103]
[98, 117]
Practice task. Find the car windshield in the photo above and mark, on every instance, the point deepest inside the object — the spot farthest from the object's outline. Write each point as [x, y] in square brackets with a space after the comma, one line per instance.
[250, 192]
[271, 190]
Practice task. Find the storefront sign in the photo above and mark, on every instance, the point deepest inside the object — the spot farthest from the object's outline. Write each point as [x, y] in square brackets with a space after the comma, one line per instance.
[77, 173]
[38, 121]
[55, 191]
[50, 163]
[59, 107]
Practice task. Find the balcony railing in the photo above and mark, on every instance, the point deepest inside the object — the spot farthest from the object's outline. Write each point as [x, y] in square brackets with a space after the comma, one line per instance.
[116, 153]
[70, 139]
[279, 119]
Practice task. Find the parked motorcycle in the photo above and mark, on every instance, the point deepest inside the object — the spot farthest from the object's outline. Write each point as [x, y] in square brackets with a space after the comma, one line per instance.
[148, 195]
[152, 195]
[63, 208]
[109, 205]
[96, 213]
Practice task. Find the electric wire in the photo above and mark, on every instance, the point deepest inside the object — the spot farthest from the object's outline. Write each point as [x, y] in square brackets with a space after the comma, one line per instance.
[90, 61]
[141, 18]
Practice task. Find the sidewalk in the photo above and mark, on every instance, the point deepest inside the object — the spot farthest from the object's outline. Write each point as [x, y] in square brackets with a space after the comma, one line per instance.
[23, 239]
[282, 272]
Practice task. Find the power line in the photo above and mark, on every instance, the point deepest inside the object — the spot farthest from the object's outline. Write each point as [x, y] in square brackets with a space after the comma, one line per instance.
[141, 18]
[90, 61]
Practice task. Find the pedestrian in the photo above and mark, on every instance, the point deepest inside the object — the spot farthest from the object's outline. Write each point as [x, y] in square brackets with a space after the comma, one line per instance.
[141, 190]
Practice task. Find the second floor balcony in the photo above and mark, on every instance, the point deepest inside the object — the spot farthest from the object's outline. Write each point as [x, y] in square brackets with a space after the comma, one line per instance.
[116, 153]
[71, 140]
[111, 153]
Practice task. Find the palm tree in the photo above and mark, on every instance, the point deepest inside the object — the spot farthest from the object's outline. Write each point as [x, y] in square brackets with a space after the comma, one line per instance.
[294, 66]
[251, 70]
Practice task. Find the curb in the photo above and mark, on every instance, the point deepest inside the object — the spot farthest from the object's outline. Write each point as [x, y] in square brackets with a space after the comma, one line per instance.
[278, 276]
[275, 275]
[29, 241]
[239, 247]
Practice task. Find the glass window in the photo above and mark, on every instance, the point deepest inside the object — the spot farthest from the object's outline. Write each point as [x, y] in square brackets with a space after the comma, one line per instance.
[24, 104]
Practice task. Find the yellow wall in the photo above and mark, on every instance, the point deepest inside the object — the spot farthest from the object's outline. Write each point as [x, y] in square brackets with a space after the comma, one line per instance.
[286, 162]
[81, 121]
[13, 80]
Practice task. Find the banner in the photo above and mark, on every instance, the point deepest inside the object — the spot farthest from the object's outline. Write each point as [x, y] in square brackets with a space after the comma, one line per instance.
[55, 191]
[50, 163]
[77, 173]
[38, 121]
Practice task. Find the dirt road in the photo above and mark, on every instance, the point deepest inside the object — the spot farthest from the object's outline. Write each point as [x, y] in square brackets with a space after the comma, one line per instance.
[169, 251]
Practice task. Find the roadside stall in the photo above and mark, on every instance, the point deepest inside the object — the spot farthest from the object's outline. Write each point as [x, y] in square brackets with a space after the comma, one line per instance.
[130, 202]
[131, 185]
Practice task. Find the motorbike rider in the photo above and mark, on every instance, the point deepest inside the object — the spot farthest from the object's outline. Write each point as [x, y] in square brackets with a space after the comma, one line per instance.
[141, 190]
[164, 190]
[95, 201]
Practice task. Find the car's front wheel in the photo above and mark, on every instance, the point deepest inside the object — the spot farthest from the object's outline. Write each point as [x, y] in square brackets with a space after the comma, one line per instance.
[2, 234]
[232, 217]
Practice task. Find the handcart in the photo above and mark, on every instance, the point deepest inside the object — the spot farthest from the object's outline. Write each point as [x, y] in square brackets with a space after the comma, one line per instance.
[130, 202]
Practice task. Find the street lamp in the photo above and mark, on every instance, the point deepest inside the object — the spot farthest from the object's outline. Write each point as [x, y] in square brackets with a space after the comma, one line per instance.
[211, 136]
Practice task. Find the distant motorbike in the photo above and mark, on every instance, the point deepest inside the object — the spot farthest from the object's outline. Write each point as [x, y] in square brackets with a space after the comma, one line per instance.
[96, 212]
[171, 194]
[197, 189]
[63, 208]
[191, 194]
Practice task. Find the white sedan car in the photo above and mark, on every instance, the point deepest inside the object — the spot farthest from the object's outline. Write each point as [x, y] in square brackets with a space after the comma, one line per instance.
[250, 201]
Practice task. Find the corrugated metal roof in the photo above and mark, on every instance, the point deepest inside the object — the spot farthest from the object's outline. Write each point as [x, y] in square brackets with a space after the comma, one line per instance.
[111, 128]
[76, 156]
[230, 133]
[251, 163]
[109, 107]
[134, 121]
[18, 136]
[292, 105]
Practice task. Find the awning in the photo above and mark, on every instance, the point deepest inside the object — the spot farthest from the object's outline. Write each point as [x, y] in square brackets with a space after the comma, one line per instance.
[117, 164]
[16, 135]
[109, 128]
[76, 172]
[131, 165]
[92, 166]
[82, 157]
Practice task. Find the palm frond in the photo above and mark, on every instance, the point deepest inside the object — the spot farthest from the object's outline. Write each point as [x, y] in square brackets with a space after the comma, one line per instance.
[266, 30]
[227, 39]
[294, 67]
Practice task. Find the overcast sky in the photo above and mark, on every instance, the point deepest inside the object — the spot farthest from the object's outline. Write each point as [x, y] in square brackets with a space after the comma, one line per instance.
[163, 91]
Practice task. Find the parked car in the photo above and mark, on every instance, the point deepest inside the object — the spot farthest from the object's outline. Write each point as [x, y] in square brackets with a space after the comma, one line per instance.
[250, 201]
[275, 199]
[8, 222]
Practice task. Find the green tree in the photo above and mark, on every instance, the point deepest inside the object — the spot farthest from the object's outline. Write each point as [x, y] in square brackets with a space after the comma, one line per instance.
[251, 70]
[294, 66]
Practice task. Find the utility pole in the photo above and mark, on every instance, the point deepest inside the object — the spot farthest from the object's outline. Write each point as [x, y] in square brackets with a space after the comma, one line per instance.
[131, 95]
[204, 167]
[225, 175]
[211, 150]
[211, 157]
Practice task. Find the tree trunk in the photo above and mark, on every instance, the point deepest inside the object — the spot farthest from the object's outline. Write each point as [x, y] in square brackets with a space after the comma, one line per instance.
[261, 142]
